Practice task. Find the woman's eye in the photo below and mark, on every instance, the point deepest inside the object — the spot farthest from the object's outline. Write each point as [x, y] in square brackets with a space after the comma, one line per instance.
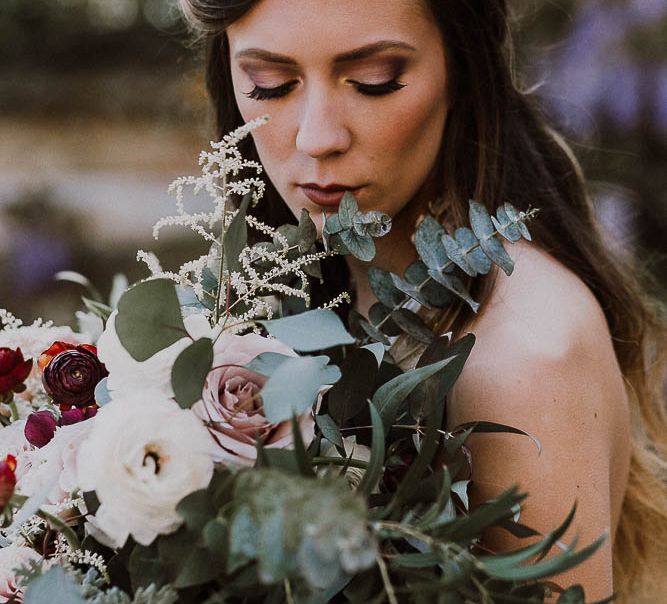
[264, 94]
[378, 89]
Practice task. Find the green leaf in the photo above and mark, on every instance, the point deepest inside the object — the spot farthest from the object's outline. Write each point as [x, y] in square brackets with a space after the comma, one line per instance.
[376, 462]
[349, 396]
[292, 388]
[215, 537]
[309, 331]
[428, 292]
[97, 308]
[196, 509]
[242, 539]
[329, 429]
[145, 567]
[102, 396]
[388, 398]
[303, 460]
[573, 595]
[189, 372]
[513, 215]
[475, 256]
[373, 223]
[383, 287]
[428, 241]
[186, 563]
[505, 226]
[380, 317]
[236, 236]
[360, 246]
[347, 209]
[373, 333]
[454, 285]
[149, 318]
[457, 255]
[483, 228]
[268, 362]
[53, 587]
[412, 324]
[495, 428]
[307, 232]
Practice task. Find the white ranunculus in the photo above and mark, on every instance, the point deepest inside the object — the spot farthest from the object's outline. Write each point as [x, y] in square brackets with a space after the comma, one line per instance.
[13, 442]
[58, 459]
[143, 455]
[11, 558]
[127, 375]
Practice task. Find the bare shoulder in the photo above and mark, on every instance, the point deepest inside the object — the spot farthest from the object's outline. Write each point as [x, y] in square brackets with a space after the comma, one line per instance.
[544, 362]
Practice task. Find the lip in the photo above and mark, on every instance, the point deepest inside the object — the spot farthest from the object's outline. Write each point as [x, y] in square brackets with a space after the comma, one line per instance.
[326, 195]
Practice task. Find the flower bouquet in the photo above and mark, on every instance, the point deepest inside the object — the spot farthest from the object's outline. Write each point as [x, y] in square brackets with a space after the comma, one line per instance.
[200, 441]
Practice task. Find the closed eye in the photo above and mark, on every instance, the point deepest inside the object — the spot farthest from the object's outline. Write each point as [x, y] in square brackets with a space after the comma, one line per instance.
[378, 89]
[264, 94]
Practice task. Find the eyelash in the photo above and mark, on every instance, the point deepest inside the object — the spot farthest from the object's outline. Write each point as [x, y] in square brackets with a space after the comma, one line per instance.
[264, 94]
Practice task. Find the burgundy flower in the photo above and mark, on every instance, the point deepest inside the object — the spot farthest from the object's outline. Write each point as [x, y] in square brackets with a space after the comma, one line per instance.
[40, 428]
[71, 374]
[7, 479]
[14, 370]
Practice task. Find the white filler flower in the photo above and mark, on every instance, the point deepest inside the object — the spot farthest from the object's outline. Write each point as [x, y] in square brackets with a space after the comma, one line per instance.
[143, 456]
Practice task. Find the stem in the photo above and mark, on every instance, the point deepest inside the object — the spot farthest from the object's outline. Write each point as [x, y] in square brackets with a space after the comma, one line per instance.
[221, 271]
[389, 588]
[288, 592]
[339, 461]
[14, 410]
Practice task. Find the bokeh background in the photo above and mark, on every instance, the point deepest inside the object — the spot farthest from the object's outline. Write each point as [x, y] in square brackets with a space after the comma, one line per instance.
[102, 105]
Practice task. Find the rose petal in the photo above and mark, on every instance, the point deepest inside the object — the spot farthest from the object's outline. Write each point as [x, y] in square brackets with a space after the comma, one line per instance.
[40, 428]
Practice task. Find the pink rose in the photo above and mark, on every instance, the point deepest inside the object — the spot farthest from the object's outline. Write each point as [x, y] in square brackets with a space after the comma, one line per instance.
[232, 408]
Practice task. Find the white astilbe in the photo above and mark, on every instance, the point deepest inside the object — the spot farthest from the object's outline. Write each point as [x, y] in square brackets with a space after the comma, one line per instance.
[66, 554]
[222, 177]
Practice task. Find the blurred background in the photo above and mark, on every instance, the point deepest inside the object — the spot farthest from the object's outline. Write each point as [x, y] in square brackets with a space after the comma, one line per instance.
[102, 105]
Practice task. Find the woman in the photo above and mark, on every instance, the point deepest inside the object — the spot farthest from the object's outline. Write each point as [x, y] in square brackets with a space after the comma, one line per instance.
[411, 105]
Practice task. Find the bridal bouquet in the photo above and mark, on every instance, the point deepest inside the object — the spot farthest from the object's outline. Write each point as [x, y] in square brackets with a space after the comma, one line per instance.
[200, 441]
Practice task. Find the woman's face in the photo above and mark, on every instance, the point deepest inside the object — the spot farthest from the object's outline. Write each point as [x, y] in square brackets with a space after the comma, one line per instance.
[356, 93]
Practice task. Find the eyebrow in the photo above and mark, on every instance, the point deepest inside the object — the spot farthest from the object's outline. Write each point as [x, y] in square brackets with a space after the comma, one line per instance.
[357, 54]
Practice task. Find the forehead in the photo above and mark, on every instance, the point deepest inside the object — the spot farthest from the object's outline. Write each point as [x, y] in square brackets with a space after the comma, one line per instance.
[320, 29]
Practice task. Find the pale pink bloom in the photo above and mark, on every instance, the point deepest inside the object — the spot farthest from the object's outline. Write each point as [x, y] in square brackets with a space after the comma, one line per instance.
[232, 408]
[11, 558]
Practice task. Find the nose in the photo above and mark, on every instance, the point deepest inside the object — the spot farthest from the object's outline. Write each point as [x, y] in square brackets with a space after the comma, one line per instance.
[322, 130]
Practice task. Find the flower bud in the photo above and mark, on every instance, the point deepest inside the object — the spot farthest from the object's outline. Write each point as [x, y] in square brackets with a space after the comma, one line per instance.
[7, 480]
[14, 370]
[40, 428]
[71, 374]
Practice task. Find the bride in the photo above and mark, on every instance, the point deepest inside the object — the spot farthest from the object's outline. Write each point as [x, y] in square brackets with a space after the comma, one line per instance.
[411, 105]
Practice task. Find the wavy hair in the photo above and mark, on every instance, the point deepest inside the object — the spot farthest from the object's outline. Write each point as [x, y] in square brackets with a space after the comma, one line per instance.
[497, 147]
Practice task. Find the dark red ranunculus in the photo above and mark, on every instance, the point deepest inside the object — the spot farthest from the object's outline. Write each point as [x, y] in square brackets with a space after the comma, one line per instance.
[14, 370]
[40, 428]
[7, 479]
[70, 373]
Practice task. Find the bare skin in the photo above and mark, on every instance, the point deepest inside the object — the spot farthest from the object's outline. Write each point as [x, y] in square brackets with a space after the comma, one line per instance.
[544, 362]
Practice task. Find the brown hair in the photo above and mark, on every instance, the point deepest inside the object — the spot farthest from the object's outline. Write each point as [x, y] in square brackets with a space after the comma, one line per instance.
[496, 148]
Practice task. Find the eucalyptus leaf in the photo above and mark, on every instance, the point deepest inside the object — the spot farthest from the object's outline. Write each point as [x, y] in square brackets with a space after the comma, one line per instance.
[292, 388]
[454, 285]
[373, 223]
[307, 232]
[347, 209]
[483, 228]
[145, 567]
[309, 331]
[102, 396]
[504, 225]
[53, 587]
[428, 241]
[360, 246]
[457, 255]
[149, 318]
[349, 396]
[376, 462]
[190, 370]
[383, 287]
[412, 324]
[381, 318]
[475, 256]
[513, 215]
